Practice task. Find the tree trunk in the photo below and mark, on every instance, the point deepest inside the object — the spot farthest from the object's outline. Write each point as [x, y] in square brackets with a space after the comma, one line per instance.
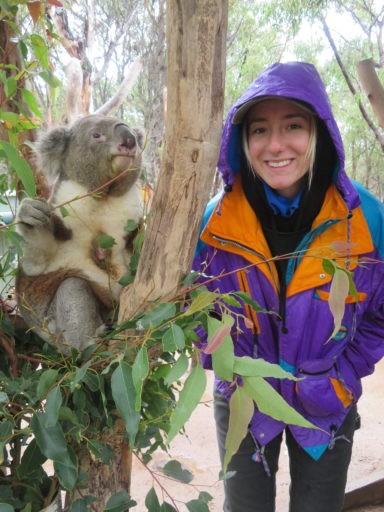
[196, 40]
[104, 481]
[372, 87]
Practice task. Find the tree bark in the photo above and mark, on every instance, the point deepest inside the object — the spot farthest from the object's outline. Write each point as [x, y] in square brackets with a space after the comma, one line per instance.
[105, 480]
[196, 41]
[372, 87]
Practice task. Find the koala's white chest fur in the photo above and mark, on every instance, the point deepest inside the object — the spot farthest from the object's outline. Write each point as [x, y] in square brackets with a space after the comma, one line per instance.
[89, 218]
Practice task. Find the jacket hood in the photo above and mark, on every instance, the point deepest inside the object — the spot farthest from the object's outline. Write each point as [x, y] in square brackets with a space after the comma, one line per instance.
[298, 81]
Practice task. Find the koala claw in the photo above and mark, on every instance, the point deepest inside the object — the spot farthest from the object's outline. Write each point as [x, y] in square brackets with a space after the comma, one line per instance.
[34, 213]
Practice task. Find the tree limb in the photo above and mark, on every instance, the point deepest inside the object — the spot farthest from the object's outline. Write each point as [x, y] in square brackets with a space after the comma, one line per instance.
[372, 87]
[351, 87]
[125, 88]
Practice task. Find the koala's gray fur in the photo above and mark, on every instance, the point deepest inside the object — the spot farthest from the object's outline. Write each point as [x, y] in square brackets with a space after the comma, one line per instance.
[67, 284]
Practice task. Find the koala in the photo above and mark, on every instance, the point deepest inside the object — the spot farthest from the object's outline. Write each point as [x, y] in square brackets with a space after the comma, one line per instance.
[67, 283]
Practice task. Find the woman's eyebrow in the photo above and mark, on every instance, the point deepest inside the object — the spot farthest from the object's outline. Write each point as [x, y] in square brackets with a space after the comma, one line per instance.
[288, 116]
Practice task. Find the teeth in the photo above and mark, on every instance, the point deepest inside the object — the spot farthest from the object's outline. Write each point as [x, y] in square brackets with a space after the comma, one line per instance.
[282, 163]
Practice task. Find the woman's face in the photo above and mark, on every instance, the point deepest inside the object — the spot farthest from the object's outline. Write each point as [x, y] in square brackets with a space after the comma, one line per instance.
[278, 137]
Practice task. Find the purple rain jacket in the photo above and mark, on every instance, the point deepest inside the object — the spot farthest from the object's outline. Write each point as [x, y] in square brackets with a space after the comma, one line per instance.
[349, 228]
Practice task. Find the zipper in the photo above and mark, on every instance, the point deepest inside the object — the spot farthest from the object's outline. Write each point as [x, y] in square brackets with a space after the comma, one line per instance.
[225, 241]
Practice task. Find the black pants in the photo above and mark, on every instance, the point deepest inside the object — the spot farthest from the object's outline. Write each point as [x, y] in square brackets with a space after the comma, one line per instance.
[316, 486]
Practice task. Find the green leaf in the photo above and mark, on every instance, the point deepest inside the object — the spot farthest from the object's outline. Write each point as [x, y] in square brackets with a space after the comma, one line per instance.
[101, 451]
[119, 502]
[179, 368]
[52, 406]
[140, 370]
[6, 429]
[50, 440]
[131, 225]
[173, 338]
[250, 302]
[175, 470]
[123, 392]
[151, 501]
[197, 506]
[223, 358]
[126, 280]
[30, 100]
[106, 241]
[4, 507]
[81, 505]
[249, 367]
[21, 167]
[40, 50]
[189, 398]
[230, 299]
[3, 398]
[31, 460]
[166, 507]
[79, 376]
[201, 302]
[157, 316]
[269, 402]
[241, 409]
[47, 380]
[10, 117]
[50, 78]
[328, 266]
[64, 212]
[10, 87]
[205, 496]
[66, 469]
[53, 445]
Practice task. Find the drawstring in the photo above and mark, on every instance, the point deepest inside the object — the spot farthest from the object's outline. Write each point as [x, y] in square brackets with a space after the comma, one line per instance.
[227, 188]
[259, 455]
[335, 438]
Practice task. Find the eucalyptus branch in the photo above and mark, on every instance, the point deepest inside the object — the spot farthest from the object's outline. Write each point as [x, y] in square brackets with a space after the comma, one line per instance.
[5, 342]
[157, 480]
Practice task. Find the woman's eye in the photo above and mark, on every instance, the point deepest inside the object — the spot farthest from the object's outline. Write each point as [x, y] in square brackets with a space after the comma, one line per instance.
[294, 126]
[257, 130]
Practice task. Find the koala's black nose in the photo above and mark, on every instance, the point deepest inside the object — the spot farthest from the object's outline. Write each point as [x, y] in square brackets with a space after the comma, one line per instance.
[125, 137]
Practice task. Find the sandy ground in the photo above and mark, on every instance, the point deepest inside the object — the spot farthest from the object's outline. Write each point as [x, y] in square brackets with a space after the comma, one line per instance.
[197, 451]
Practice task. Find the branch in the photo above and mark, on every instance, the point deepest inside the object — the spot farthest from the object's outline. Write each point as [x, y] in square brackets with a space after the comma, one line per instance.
[5, 342]
[125, 88]
[351, 87]
[372, 87]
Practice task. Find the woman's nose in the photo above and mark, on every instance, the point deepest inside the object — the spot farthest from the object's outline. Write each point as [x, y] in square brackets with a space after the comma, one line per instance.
[275, 142]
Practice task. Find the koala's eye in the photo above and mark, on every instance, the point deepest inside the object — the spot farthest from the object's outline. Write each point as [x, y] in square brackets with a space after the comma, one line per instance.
[96, 135]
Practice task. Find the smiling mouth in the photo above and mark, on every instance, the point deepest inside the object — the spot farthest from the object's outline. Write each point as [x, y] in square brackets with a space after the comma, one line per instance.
[281, 163]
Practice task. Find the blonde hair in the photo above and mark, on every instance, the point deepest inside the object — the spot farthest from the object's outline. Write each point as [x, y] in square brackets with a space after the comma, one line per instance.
[310, 154]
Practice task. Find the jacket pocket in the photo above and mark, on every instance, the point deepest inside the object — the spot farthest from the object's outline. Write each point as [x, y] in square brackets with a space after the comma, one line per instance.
[320, 392]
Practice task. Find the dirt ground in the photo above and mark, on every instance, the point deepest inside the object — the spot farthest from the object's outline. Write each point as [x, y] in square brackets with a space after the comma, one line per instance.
[197, 451]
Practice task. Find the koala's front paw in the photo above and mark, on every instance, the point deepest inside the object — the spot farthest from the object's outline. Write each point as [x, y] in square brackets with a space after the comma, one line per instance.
[35, 213]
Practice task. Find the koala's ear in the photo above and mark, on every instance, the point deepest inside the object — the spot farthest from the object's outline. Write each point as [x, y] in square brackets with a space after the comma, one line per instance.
[139, 137]
[51, 149]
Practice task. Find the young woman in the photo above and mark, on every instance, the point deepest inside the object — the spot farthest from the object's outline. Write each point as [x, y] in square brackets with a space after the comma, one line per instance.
[286, 193]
